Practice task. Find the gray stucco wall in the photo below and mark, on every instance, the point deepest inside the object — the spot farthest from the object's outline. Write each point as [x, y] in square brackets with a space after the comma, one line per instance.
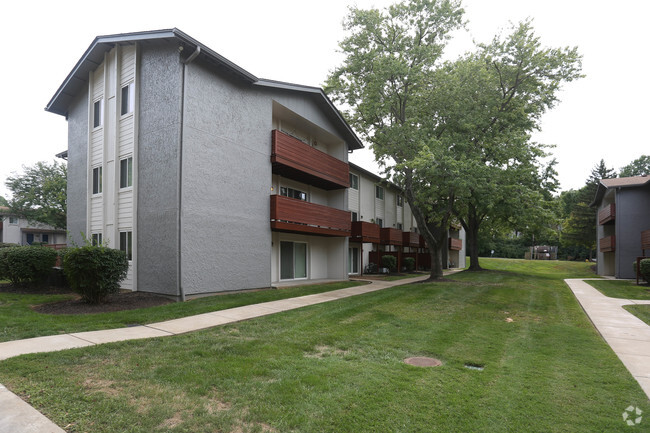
[632, 217]
[226, 236]
[160, 87]
[77, 168]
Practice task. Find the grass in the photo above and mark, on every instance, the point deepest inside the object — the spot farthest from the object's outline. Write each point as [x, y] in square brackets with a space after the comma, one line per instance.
[337, 367]
[640, 311]
[621, 289]
[395, 277]
[18, 320]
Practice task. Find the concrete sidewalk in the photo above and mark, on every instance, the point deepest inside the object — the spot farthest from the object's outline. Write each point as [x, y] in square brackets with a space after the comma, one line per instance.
[17, 416]
[625, 333]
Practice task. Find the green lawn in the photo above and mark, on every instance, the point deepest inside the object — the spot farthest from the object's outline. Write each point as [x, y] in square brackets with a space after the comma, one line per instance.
[640, 311]
[337, 367]
[621, 289]
[18, 320]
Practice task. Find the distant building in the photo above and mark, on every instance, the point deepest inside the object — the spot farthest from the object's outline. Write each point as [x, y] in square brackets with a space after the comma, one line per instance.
[623, 213]
[15, 230]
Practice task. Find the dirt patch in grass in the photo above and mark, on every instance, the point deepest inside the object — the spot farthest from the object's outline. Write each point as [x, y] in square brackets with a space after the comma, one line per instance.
[116, 302]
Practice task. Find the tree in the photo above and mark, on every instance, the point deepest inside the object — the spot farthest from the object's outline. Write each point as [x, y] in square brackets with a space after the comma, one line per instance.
[39, 194]
[3, 201]
[638, 167]
[390, 57]
[484, 108]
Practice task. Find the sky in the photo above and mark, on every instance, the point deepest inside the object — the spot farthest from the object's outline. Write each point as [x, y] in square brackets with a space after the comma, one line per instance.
[600, 116]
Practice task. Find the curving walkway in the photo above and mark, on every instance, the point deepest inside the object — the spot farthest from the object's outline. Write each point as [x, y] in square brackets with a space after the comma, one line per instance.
[626, 334]
[17, 416]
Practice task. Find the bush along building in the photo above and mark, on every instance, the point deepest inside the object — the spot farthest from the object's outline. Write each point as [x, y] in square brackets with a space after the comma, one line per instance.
[623, 224]
[209, 178]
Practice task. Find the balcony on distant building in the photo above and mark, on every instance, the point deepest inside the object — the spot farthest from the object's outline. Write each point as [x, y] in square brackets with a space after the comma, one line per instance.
[298, 216]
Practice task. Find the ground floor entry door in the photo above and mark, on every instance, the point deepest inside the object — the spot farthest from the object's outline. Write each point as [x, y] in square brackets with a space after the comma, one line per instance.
[293, 260]
[353, 260]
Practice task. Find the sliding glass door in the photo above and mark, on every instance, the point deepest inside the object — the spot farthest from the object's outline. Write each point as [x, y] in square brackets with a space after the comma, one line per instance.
[293, 260]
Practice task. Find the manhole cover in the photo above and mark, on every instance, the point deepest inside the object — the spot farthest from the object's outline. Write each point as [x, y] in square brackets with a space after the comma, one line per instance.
[423, 361]
[478, 367]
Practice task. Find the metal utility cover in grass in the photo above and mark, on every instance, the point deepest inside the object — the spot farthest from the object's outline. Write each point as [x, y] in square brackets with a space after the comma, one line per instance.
[423, 361]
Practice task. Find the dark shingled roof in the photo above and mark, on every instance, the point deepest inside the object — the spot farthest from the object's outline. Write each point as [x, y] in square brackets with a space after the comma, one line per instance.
[618, 182]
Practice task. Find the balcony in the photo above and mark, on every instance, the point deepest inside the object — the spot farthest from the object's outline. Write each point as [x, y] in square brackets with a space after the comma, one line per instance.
[297, 216]
[423, 243]
[645, 240]
[607, 214]
[390, 236]
[363, 231]
[295, 160]
[411, 239]
[455, 244]
[608, 244]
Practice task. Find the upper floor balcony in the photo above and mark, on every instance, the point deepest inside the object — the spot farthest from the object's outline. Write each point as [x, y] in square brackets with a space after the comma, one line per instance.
[607, 214]
[390, 236]
[296, 160]
[363, 231]
[411, 239]
[607, 244]
[455, 244]
[298, 216]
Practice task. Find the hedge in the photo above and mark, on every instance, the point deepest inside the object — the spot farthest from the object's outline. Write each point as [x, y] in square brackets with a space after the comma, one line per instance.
[95, 272]
[409, 263]
[389, 262]
[26, 265]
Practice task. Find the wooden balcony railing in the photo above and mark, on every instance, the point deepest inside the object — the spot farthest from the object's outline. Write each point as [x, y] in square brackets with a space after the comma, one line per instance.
[390, 236]
[607, 214]
[297, 216]
[607, 244]
[645, 240]
[423, 243]
[455, 244]
[363, 231]
[295, 160]
[410, 239]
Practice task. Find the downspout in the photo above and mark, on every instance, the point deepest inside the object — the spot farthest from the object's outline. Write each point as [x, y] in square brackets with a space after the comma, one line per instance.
[185, 62]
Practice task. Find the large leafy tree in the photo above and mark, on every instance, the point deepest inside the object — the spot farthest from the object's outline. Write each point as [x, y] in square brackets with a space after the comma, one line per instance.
[39, 194]
[638, 167]
[3, 201]
[390, 57]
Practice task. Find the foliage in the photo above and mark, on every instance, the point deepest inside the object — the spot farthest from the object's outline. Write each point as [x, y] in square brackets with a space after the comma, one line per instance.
[95, 272]
[638, 167]
[26, 265]
[409, 263]
[390, 57]
[504, 248]
[389, 262]
[645, 269]
[39, 195]
[3, 201]
[6, 245]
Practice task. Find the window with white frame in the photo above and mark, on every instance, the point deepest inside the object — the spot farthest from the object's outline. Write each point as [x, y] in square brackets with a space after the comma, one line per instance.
[126, 172]
[97, 180]
[13, 220]
[355, 216]
[400, 201]
[126, 244]
[128, 99]
[379, 192]
[293, 193]
[96, 239]
[98, 113]
[380, 222]
[398, 226]
[354, 181]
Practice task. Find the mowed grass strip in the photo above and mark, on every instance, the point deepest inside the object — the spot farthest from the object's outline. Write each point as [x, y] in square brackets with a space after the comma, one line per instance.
[640, 311]
[18, 320]
[622, 289]
[338, 367]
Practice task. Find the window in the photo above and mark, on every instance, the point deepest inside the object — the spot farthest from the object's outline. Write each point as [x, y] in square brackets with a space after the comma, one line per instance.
[45, 238]
[400, 201]
[97, 180]
[126, 172]
[293, 260]
[128, 99]
[293, 193]
[354, 181]
[13, 220]
[353, 260]
[126, 244]
[379, 192]
[96, 239]
[98, 113]
[380, 222]
[355, 216]
[399, 226]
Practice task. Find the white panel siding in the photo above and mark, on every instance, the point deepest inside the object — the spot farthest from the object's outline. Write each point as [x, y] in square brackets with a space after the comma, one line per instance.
[128, 64]
[125, 210]
[389, 198]
[96, 214]
[353, 200]
[379, 207]
[126, 137]
[98, 82]
[96, 147]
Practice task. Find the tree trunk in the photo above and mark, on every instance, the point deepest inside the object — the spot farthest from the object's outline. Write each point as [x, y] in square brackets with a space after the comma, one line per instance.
[436, 262]
[471, 230]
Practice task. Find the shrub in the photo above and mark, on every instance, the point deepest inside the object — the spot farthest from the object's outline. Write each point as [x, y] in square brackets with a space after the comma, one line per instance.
[95, 272]
[409, 263]
[26, 265]
[6, 245]
[389, 262]
[645, 269]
